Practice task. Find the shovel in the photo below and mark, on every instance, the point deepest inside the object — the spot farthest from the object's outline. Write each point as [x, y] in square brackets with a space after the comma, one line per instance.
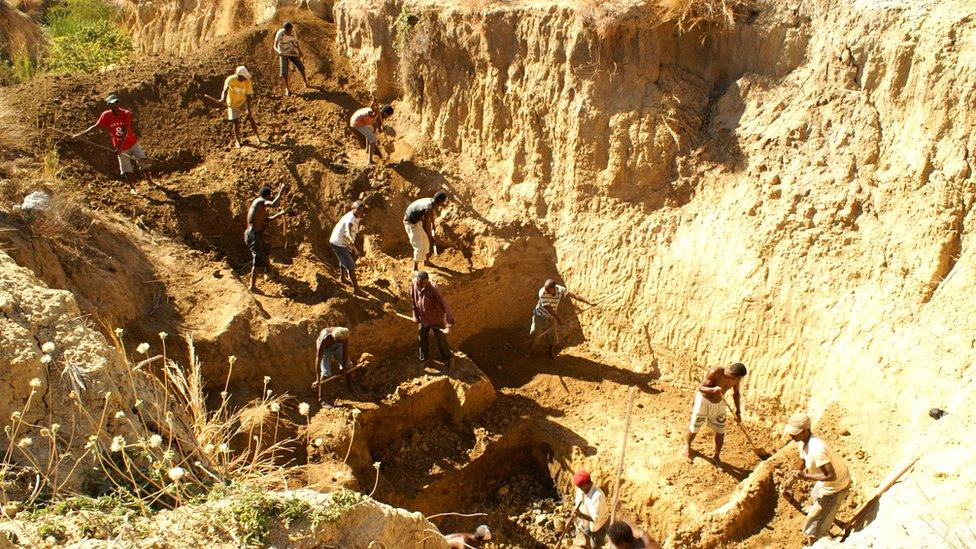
[761, 454]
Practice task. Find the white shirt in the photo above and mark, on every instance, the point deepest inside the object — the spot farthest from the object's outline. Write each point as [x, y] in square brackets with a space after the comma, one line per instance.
[286, 44]
[551, 301]
[594, 506]
[345, 231]
[816, 455]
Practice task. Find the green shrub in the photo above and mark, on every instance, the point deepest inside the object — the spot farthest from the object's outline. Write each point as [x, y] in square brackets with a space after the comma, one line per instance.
[84, 37]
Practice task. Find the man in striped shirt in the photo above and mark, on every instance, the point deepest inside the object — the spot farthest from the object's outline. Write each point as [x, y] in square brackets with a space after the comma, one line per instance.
[545, 320]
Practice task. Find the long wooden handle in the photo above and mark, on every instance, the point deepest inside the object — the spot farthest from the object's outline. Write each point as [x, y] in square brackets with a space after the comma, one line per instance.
[569, 524]
[881, 490]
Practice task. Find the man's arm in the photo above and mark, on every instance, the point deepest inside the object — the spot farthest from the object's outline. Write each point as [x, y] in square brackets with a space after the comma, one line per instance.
[825, 473]
[413, 302]
[345, 354]
[318, 357]
[428, 224]
[553, 313]
[223, 93]
[448, 314]
[277, 198]
[712, 379]
[277, 42]
[578, 297]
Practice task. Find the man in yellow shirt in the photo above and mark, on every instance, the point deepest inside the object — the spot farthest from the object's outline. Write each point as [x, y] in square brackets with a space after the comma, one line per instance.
[237, 93]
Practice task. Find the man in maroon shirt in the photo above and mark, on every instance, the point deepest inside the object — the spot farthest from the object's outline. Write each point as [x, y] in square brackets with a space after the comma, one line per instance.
[431, 312]
[118, 123]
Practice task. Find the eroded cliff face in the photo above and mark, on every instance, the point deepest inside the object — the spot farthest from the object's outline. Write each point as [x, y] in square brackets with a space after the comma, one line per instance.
[796, 194]
[182, 26]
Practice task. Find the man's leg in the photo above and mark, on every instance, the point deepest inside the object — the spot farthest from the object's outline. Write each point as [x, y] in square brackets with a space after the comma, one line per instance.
[355, 284]
[553, 339]
[254, 269]
[283, 66]
[697, 422]
[237, 130]
[301, 70]
[716, 420]
[688, 440]
[443, 346]
[424, 343]
[719, 441]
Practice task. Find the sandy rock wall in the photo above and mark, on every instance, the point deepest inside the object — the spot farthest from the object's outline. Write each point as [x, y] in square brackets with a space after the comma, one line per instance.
[184, 25]
[49, 350]
[796, 194]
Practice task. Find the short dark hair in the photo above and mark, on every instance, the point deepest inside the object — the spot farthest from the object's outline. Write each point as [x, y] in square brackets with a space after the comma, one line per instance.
[738, 369]
[287, 25]
[265, 192]
[620, 532]
[422, 275]
[440, 196]
[549, 283]
[386, 110]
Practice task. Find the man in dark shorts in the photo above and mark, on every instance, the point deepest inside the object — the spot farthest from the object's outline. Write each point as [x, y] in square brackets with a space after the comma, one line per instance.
[343, 242]
[118, 121]
[289, 52]
[710, 405]
[257, 220]
[418, 221]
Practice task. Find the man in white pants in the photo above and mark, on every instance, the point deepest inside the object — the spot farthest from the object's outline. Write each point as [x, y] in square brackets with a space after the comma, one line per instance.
[418, 220]
[710, 405]
[822, 465]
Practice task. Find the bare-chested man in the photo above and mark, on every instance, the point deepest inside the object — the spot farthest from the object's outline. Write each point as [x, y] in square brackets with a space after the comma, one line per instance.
[463, 541]
[710, 405]
[257, 220]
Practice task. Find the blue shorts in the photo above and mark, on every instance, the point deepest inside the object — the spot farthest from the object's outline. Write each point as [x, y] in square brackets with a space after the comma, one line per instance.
[325, 367]
[344, 256]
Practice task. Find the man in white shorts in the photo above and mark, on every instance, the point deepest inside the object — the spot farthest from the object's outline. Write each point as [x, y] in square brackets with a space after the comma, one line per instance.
[237, 93]
[710, 405]
[418, 221]
[117, 121]
[368, 121]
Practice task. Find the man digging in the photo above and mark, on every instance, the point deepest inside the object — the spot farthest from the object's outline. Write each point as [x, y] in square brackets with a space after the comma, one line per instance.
[710, 405]
[368, 121]
[591, 510]
[257, 222]
[819, 463]
[431, 312]
[545, 320]
[289, 53]
[332, 342]
[237, 93]
[117, 121]
[419, 221]
[343, 242]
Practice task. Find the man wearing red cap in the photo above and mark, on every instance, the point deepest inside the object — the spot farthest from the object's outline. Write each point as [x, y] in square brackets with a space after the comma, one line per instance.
[592, 510]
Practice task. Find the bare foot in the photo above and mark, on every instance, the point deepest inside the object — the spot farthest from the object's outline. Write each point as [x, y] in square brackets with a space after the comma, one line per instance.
[717, 459]
[687, 454]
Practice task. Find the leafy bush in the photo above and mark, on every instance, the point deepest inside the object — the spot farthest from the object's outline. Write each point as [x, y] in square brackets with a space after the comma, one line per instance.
[84, 37]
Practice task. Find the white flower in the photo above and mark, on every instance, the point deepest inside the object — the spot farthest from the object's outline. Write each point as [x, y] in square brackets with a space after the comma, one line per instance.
[168, 455]
[120, 415]
[270, 392]
[162, 335]
[118, 444]
[36, 382]
[15, 416]
[51, 539]
[275, 407]
[25, 442]
[209, 448]
[46, 359]
[176, 474]
[142, 348]
[119, 332]
[303, 408]
[224, 448]
[155, 441]
[48, 347]
[318, 442]
[267, 380]
[55, 427]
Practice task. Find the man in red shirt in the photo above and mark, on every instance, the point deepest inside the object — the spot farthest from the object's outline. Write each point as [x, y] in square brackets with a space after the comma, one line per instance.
[118, 123]
[431, 312]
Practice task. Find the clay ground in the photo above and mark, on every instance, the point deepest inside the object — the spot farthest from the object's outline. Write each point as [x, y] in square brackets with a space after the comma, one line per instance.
[173, 259]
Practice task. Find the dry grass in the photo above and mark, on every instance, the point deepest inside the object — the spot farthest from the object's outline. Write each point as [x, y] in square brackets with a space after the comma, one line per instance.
[20, 34]
[175, 450]
[691, 14]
